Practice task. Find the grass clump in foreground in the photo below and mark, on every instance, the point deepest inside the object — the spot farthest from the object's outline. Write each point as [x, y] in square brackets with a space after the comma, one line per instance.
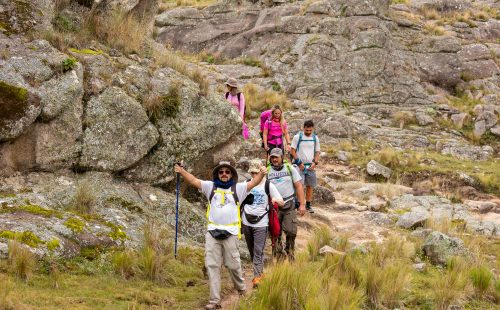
[148, 278]
[381, 278]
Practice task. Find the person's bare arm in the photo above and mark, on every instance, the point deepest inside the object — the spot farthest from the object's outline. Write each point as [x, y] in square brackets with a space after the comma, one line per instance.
[191, 179]
[299, 190]
[264, 138]
[256, 180]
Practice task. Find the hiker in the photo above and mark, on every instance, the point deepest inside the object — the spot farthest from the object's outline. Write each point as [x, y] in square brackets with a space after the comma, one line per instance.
[224, 223]
[236, 98]
[275, 129]
[255, 219]
[287, 180]
[305, 152]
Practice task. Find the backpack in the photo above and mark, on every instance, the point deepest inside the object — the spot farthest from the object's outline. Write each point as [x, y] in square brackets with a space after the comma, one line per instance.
[272, 211]
[239, 102]
[217, 234]
[315, 139]
[253, 219]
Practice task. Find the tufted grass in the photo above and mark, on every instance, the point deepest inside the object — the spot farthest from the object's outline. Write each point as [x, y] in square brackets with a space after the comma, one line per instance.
[259, 100]
[482, 279]
[84, 200]
[21, 261]
[321, 236]
[150, 278]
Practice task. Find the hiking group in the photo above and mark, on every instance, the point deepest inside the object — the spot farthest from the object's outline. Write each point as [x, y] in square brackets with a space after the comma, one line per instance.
[260, 206]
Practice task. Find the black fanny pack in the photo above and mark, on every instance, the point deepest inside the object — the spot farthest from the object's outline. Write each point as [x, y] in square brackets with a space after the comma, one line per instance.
[219, 234]
[254, 219]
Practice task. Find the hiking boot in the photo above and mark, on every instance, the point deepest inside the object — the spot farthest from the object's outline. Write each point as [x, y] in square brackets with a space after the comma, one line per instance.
[242, 292]
[309, 209]
[211, 306]
[256, 281]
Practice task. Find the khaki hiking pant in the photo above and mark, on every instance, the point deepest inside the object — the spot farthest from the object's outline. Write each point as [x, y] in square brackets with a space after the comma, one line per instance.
[222, 251]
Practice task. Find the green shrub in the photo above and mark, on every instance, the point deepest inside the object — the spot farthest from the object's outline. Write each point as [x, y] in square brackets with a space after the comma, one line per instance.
[164, 106]
[68, 64]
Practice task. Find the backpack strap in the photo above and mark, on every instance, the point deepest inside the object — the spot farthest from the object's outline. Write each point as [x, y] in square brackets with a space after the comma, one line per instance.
[235, 196]
[315, 139]
[300, 140]
[212, 193]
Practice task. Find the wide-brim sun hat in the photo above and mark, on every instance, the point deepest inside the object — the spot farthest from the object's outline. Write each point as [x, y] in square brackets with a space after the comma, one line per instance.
[232, 82]
[225, 164]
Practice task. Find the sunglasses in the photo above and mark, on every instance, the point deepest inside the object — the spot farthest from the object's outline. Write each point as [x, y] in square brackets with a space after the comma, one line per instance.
[221, 172]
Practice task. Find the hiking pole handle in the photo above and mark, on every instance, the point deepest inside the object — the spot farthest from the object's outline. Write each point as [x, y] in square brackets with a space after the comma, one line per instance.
[177, 187]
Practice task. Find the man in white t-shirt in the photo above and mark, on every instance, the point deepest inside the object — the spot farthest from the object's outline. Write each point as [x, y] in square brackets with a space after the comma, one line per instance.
[287, 181]
[305, 151]
[223, 215]
[255, 219]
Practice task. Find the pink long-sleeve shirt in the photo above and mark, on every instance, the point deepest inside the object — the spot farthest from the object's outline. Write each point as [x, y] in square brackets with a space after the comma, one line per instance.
[240, 106]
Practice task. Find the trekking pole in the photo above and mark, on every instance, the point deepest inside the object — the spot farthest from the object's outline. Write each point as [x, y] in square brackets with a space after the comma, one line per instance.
[177, 185]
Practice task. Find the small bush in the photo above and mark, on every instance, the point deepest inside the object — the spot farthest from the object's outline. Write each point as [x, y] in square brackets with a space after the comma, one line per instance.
[68, 64]
[21, 260]
[164, 106]
[482, 278]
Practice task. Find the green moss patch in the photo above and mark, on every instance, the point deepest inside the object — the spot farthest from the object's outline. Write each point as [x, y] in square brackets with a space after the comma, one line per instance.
[13, 93]
[33, 209]
[75, 225]
[116, 232]
[86, 51]
[26, 237]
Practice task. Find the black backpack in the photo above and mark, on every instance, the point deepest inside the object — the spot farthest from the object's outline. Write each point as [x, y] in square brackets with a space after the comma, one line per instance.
[253, 219]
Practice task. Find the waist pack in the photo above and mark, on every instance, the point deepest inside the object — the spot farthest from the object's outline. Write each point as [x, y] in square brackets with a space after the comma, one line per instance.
[220, 234]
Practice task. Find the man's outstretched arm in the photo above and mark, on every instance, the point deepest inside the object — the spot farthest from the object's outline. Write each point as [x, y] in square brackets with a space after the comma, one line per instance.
[191, 179]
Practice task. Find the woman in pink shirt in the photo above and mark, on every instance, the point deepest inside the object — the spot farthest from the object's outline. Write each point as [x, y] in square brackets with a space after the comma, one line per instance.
[275, 133]
[236, 98]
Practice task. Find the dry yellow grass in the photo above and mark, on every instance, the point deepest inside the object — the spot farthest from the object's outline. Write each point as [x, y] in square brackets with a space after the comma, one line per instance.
[432, 29]
[261, 100]
[170, 4]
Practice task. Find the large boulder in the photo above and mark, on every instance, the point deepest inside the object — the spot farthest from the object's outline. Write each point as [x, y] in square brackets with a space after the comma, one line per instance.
[118, 132]
[195, 134]
[440, 247]
[39, 203]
